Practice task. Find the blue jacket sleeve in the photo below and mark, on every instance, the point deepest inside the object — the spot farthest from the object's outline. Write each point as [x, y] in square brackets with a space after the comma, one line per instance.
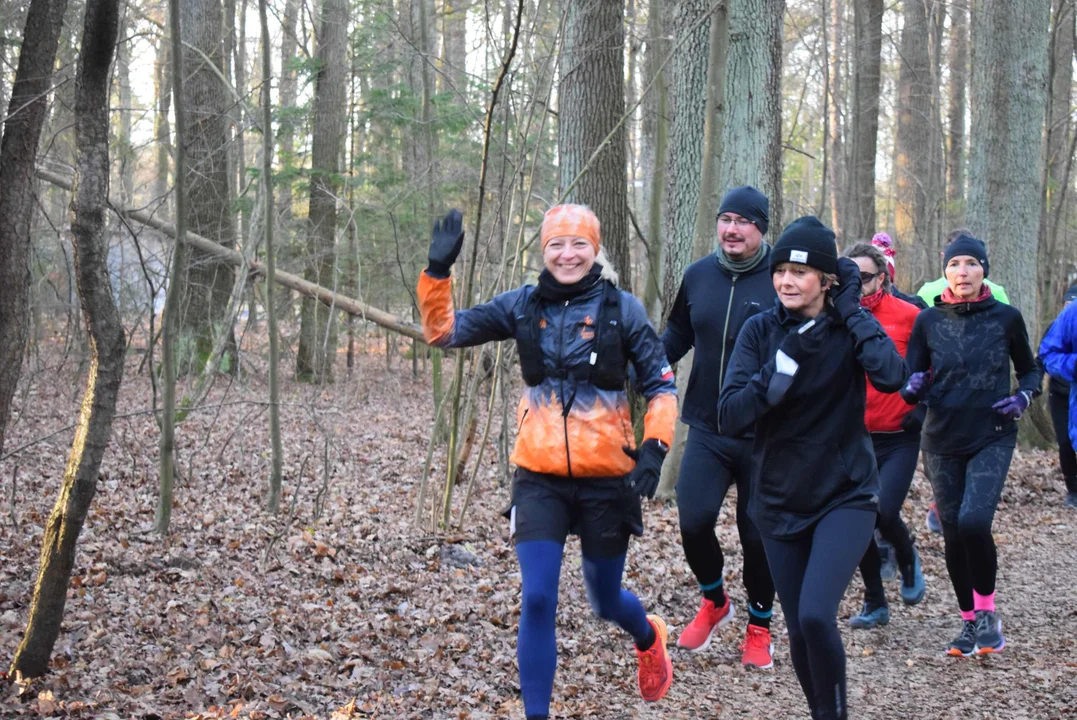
[679, 337]
[1058, 351]
[743, 400]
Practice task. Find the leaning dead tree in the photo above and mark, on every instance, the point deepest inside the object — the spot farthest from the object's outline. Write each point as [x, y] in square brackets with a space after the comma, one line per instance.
[258, 269]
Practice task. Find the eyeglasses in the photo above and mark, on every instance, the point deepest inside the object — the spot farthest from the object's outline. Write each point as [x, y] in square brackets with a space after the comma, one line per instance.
[865, 277]
[740, 222]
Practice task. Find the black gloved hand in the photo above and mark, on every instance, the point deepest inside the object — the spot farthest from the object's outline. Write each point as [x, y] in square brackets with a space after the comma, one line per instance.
[846, 294]
[648, 470]
[448, 238]
[913, 422]
[806, 339]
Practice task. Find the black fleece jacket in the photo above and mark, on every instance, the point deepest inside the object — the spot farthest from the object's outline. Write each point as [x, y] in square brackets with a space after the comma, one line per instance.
[968, 348]
[712, 305]
[811, 452]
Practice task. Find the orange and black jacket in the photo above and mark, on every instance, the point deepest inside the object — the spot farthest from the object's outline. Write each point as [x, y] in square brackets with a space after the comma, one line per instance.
[588, 440]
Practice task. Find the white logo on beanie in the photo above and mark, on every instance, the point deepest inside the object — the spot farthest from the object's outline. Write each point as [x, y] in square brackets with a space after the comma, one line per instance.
[798, 256]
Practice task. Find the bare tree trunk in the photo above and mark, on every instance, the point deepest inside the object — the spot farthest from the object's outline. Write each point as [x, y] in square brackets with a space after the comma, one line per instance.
[107, 343]
[1009, 93]
[959, 78]
[654, 134]
[455, 44]
[836, 165]
[751, 132]
[207, 284]
[318, 336]
[868, 24]
[18, 153]
[286, 125]
[1052, 267]
[591, 102]
[162, 81]
[273, 499]
[915, 199]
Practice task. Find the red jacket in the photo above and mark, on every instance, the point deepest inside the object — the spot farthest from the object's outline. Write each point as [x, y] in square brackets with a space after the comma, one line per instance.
[885, 411]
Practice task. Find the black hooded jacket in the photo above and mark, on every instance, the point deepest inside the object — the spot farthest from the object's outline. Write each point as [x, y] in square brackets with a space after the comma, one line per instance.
[811, 452]
[968, 348]
[712, 305]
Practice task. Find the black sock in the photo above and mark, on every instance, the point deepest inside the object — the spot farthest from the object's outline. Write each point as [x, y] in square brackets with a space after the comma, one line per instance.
[763, 622]
[716, 596]
[648, 643]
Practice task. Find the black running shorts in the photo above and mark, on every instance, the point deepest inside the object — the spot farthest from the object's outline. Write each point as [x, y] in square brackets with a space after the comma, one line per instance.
[604, 512]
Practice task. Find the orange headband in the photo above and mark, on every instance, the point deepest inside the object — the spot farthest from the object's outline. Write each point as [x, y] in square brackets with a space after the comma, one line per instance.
[571, 221]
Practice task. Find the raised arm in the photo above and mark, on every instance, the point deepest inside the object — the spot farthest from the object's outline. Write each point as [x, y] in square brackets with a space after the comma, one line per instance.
[874, 349]
[447, 328]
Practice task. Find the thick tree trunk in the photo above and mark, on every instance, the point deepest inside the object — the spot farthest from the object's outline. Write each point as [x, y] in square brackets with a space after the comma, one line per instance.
[286, 124]
[1009, 93]
[915, 201]
[868, 25]
[591, 102]
[836, 161]
[455, 44]
[318, 332]
[207, 284]
[955, 151]
[18, 153]
[107, 343]
[162, 81]
[751, 132]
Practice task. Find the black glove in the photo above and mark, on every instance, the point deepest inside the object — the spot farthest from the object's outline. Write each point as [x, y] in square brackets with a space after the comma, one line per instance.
[806, 339]
[913, 422]
[846, 294]
[445, 246]
[645, 475]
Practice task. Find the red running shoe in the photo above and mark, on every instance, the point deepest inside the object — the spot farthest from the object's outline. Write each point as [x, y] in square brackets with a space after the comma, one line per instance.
[757, 648]
[655, 668]
[697, 636]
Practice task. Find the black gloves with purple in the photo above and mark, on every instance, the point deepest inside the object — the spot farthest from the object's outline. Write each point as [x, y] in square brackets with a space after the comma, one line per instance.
[1013, 407]
[916, 386]
[648, 457]
[445, 245]
[846, 294]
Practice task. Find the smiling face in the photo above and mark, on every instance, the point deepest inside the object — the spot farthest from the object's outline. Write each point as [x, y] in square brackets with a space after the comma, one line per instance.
[568, 258]
[800, 288]
[871, 280]
[965, 276]
[738, 236]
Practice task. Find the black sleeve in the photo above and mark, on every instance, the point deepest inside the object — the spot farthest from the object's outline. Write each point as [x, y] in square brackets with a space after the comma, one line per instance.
[743, 400]
[876, 353]
[1028, 370]
[678, 336]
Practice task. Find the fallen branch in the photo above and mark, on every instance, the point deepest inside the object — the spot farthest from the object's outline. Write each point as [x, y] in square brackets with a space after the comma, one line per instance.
[234, 258]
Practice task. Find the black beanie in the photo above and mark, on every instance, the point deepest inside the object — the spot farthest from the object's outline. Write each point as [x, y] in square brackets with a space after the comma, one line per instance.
[966, 245]
[747, 202]
[808, 242]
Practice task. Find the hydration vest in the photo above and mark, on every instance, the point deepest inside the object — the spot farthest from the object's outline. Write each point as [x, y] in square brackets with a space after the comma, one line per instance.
[607, 368]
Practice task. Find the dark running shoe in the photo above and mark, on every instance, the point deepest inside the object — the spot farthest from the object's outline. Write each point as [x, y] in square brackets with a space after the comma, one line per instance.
[871, 616]
[1071, 500]
[888, 569]
[988, 633]
[965, 643]
[933, 522]
[913, 586]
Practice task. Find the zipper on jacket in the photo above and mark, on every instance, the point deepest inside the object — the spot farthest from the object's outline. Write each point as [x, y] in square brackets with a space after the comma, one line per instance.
[564, 407]
[725, 337]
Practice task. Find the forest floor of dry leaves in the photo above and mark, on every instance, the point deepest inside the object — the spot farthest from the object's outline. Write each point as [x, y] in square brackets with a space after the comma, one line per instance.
[354, 612]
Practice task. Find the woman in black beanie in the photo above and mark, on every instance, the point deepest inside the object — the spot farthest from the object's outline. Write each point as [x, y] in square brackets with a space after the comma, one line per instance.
[959, 354]
[797, 376]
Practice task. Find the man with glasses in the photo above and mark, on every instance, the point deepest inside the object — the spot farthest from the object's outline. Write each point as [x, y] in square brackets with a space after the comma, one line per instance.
[717, 295]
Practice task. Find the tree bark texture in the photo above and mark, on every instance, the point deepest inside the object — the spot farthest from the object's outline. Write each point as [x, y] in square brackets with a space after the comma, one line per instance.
[654, 134]
[455, 46]
[207, 283]
[591, 102]
[836, 160]
[916, 203]
[751, 131]
[687, 141]
[18, 153]
[162, 80]
[317, 337]
[286, 122]
[106, 342]
[1009, 93]
[864, 133]
[955, 151]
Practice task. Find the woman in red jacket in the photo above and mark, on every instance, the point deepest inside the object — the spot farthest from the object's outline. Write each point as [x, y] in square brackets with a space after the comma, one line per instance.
[895, 436]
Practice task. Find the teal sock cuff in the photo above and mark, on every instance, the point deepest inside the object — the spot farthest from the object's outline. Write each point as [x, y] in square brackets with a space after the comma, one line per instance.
[712, 586]
[759, 613]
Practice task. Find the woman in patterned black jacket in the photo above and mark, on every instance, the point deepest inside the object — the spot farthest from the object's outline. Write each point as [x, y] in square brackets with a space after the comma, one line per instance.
[959, 355]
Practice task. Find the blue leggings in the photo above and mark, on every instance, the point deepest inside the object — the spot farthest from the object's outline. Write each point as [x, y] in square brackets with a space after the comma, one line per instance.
[811, 573]
[536, 643]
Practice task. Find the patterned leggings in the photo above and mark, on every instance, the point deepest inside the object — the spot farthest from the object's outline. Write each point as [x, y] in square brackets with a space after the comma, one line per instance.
[967, 491]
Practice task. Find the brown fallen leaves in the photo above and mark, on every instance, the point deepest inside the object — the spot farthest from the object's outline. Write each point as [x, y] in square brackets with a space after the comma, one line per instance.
[359, 614]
